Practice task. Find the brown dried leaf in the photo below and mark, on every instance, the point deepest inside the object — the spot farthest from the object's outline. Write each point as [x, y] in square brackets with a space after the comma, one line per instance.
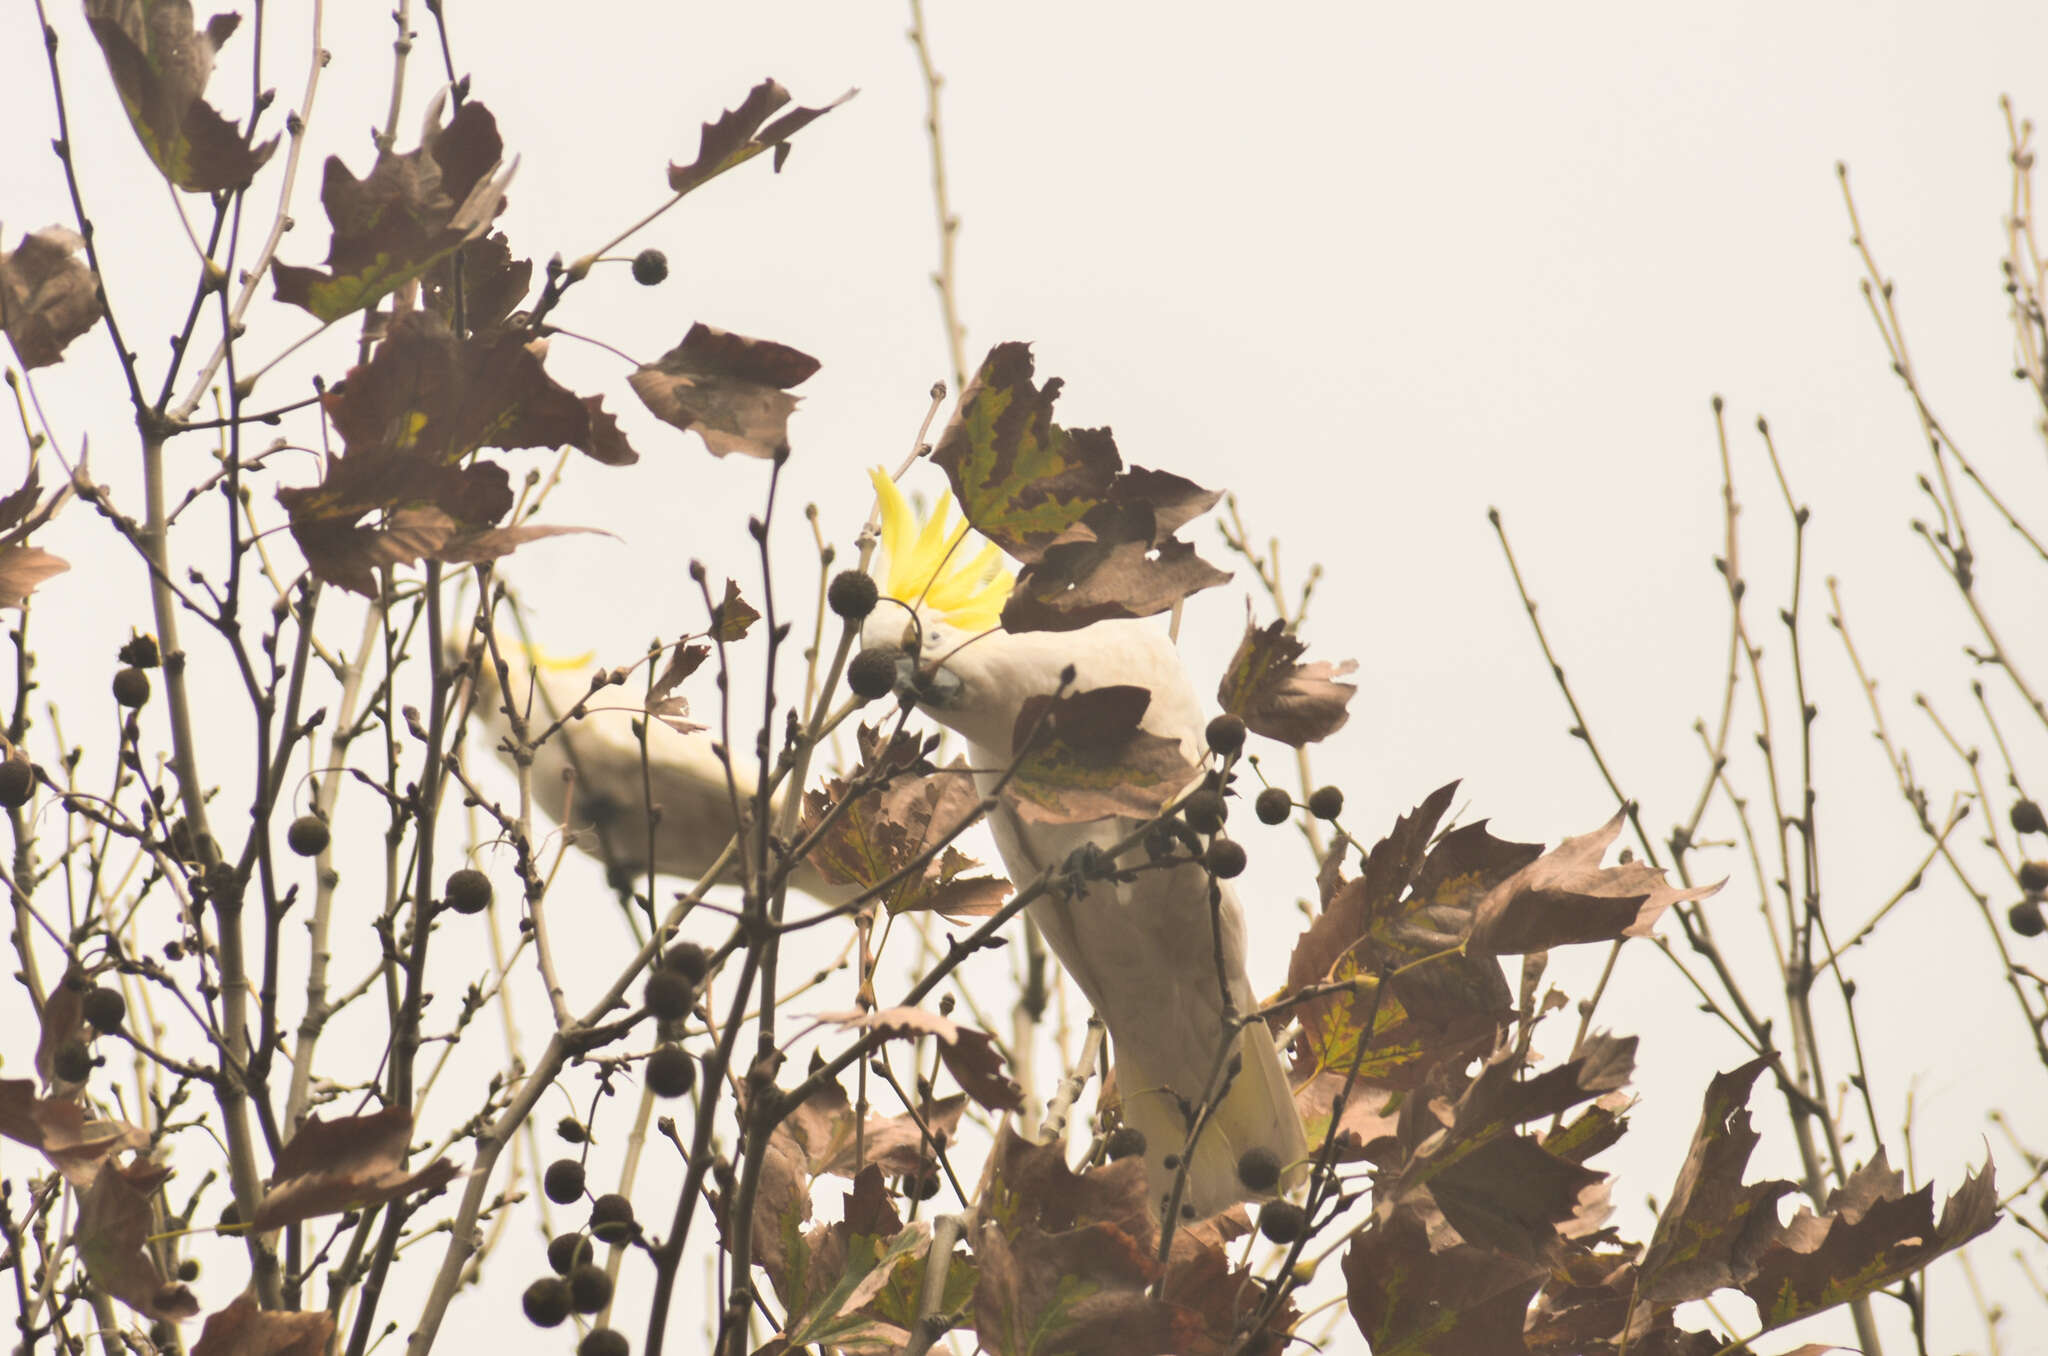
[732, 390]
[115, 1221]
[1412, 901]
[494, 543]
[1065, 1261]
[493, 284]
[732, 615]
[1714, 1225]
[1566, 896]
[242, 1329]
[1873, 1234]
[433, 396]
[1508, 1193]
[1083, 756]
[888, 828]
[24, 567]
[62, 1129]
[1412, 1300]
[414, 210]
[47, 295]
[1096, 540]
[344, 1164]
[160, 67]
[63, 1020]
[1280, 697]
[742, 133]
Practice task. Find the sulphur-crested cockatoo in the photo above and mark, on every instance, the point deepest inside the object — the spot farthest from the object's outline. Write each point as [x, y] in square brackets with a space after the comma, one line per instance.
[1142, 952]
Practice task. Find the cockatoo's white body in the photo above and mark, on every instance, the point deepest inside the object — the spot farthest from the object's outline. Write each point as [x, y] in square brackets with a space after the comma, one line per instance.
[1144, 951]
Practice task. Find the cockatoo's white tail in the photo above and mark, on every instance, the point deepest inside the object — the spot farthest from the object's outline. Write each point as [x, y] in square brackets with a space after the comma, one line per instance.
[1257, 1111]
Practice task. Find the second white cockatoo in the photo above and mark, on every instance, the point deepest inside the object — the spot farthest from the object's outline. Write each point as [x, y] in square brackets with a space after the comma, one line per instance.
[1142, 950]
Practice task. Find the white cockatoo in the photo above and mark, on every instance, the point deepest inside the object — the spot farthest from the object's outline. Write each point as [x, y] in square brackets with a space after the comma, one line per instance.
[1142, 952]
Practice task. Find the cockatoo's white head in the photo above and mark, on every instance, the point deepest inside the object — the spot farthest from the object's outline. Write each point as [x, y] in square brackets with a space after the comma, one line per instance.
[942, 592]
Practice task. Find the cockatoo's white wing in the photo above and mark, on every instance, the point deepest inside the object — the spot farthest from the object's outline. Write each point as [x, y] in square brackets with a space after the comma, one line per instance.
[1144, 953]
[588, 778]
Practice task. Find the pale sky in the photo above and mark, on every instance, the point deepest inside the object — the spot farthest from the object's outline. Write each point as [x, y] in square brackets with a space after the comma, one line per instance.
[1373, 268]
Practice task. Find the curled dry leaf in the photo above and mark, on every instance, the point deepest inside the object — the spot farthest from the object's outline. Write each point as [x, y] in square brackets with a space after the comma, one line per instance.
[160, 67]
[1280, 697]
[1096, 539]
[413, 210]
[969, 1054]
[1566, 896]
[63, 1020]
[47, 295]
[345, 1164]
[730, 390]
[740, 134]
[242, 1329]
[116, 1217]
[24, 567]
[64, 1131]
[1084, 756]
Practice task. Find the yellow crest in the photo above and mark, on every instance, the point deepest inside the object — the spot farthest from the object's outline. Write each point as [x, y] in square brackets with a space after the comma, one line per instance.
[924, 566]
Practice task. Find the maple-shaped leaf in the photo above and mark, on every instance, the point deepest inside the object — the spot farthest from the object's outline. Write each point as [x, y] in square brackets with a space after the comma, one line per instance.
[732, 615]
[1413, 901]
[1127, 568]
[1410, 1299]
[1065, 1261]
[822, 1132]
[160, 67]
[77, 1142]
[841, 1270]
[437, 396]
[886, 829]
[1369, 1114]
[47, 295]
[410, 418]
[663, 702]
[116, 1219]
[1509, 1194]
[732, 391]
[740, 134]
[1566, 896]
[1872, 1234]
[493, 284]
[968, 1053]
[345, 1164]
[242, 1329]
[1277, 695]
[1096, 540]
[1084, 756]
[1596, 1128]
[414, 209]
[1714, 1224]
[817, 1137]
[342, 551]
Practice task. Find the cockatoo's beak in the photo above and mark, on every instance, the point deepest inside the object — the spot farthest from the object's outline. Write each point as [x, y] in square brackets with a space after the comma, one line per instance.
[928, 684]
